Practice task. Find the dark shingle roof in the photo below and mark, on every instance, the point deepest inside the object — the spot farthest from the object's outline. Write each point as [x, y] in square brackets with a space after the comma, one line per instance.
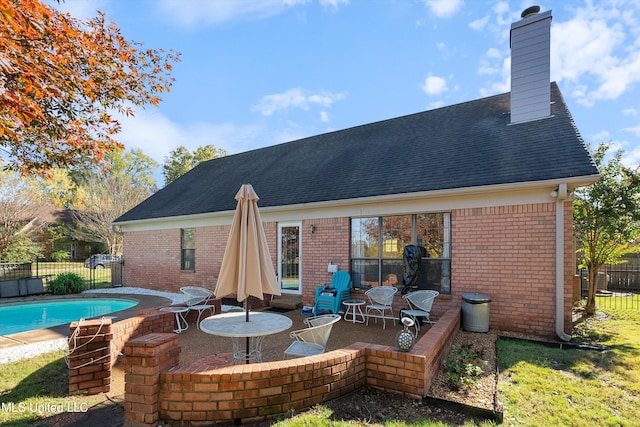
[464, 145]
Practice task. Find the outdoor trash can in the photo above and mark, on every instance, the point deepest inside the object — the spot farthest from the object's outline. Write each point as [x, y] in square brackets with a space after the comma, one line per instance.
[475, 312]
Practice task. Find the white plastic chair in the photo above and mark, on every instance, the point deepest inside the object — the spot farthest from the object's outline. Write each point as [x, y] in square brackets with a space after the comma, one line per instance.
[197, 299]
[420, 303]
[312, 340]
[381, 304]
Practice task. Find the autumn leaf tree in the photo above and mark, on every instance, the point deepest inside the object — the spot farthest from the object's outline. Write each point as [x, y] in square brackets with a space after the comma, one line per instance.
[62, 80]
[181, 160]
[606, 217]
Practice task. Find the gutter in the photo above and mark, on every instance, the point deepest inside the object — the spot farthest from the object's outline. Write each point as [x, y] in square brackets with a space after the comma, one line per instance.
[561, 195]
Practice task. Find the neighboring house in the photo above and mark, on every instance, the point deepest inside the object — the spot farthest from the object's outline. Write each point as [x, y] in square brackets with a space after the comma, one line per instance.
[39, 228]
[484, 186]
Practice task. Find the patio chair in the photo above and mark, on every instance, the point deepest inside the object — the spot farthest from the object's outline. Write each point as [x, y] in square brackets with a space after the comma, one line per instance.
[380, 304]
[312, 340]
[197, 299]
[330, 297]
[420, 303]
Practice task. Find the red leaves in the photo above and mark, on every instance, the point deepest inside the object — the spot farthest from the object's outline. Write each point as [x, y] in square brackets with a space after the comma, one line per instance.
[60, 79]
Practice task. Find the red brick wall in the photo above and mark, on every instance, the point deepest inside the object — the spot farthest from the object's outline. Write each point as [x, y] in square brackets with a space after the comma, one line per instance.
[90, 356]
[211, 391]
[92, 346]
[329, 243]
[506, 252]
[153, 258]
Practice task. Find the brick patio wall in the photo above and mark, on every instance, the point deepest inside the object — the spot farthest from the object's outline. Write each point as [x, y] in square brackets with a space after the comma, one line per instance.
[90, 356]
[95, 344]
[212, 391]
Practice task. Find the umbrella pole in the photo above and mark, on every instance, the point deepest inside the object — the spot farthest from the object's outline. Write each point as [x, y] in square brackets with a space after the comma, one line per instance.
[246, 351]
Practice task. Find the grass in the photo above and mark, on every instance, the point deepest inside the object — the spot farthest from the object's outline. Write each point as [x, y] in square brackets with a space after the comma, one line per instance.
[538, 385]
[37, 388]
[554, 387]
[97, 277]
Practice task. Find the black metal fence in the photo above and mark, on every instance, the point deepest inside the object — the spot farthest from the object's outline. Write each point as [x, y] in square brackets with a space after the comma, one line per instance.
[618, 285]
[106, 276]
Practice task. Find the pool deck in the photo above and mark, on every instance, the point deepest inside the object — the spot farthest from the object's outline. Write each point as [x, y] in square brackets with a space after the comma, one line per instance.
[62, 331]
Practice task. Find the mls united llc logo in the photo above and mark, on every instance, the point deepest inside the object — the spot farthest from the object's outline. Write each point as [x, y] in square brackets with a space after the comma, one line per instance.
[44, 407]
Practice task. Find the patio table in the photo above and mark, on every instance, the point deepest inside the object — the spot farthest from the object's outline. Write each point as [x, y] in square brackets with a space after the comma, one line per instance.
[235, 326]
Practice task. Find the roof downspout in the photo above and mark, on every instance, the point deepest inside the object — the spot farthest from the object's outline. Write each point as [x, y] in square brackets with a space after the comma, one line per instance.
[561, 196]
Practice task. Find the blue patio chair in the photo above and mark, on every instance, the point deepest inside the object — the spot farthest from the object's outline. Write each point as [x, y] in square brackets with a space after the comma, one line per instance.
[330, 297]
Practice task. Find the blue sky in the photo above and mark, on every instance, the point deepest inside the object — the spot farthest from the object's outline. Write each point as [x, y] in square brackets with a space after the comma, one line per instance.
[255, 73]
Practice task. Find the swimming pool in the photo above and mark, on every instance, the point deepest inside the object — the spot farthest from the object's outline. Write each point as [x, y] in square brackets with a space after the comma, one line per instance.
[38, 315]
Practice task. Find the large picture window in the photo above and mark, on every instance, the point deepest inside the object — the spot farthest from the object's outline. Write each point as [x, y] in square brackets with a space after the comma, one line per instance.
[377, 245]
[188, 249]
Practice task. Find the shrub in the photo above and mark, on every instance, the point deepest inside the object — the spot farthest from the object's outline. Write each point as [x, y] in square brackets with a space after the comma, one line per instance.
[463, 366]
[66, 283]
[60, 256]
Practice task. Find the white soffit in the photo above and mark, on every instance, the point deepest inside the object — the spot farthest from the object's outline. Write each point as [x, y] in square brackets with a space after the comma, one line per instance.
[438, 201]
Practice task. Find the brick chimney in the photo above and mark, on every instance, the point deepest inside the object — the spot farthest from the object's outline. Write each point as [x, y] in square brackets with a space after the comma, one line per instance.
[530, 66]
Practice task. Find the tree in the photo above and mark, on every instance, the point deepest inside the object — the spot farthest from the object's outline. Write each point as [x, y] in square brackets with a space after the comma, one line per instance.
[18, 205]
[103, 197]
[607, 217]
[181, 161]
[61, 79]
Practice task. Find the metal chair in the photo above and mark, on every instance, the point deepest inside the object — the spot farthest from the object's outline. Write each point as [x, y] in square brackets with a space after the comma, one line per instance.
[420, 303]
[197, 299]
[381, 304]
[312, 340]
[331, 298]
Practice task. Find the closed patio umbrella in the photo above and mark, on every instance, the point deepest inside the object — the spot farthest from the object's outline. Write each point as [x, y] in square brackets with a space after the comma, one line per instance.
[247, 269]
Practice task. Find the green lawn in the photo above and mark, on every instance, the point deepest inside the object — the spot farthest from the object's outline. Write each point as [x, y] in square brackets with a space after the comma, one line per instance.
[34, 389]
[554, 387]
[49, 270]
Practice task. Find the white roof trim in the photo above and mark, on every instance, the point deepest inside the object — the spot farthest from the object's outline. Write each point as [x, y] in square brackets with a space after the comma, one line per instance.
[428, 201]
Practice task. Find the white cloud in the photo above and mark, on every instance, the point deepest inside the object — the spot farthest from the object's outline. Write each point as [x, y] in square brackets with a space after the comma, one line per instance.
[630, 111]
[479, 24]
[600, 137]
[156, 135]
[634, 130]
[492, 63]
[597, 53]
[444, 8]
[631, 158]
[295, 98]
[434, 85]
[78, 9]
[335, 4]
[190, 13]
[324, 117]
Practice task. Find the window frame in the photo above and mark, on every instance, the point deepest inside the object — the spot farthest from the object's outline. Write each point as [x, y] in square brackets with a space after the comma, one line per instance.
[188, 253]
[359, 265]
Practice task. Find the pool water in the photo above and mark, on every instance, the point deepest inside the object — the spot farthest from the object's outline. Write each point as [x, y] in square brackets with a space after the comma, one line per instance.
[29, 316]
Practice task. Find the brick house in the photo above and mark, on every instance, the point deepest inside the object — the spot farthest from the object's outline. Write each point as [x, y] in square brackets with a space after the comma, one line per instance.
[484, 187]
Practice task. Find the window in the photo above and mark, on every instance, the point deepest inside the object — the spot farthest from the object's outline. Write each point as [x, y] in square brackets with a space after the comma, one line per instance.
[377, 244]
[188, 249]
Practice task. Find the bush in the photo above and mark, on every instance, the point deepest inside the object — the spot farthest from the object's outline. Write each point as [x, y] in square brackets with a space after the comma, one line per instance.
[66, 283]
[463, 366]
[60, 255]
